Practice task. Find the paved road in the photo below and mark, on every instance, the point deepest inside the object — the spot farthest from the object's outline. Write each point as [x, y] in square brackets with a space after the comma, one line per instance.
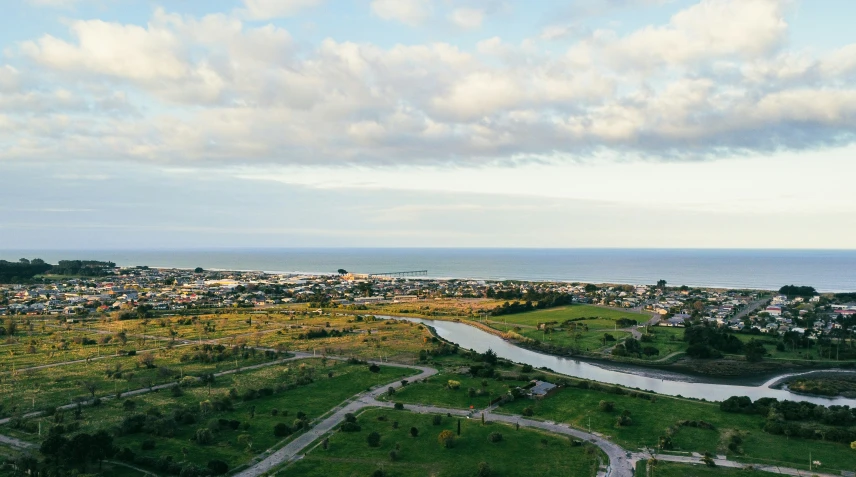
[696, 459]
[620, 465]
[751, 307]
[13, 442]
[292, 450]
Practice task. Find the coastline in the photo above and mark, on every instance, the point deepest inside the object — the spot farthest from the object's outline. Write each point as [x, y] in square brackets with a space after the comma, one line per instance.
[829, 271]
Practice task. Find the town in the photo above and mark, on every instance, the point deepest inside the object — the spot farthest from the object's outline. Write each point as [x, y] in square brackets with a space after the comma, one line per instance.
[122, 291]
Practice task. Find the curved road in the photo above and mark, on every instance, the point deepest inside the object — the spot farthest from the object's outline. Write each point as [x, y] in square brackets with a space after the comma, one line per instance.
[621, 462]
[620, 465]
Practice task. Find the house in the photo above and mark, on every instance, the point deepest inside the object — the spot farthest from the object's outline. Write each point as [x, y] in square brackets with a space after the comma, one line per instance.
[542, 389]
[774, 310]
[674, 321]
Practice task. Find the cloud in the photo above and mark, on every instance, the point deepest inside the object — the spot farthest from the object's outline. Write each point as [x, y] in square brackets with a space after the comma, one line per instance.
[467, 18]
[268, 9]
[409, 12]
[715, 78]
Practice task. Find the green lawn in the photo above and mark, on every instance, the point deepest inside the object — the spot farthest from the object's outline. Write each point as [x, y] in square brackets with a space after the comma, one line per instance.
[570, 312]
[579, 407]
[521, 452]
[437, 393]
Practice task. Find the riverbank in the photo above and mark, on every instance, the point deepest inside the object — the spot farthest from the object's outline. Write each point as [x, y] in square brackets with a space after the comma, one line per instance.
[728, 369]
[662, 381]
[821, 383]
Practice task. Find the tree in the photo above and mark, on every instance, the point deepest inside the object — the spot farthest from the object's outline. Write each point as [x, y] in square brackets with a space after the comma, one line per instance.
[102, 446]
[754, 351]
[414, 432]
[342, 271]
[489, 357]
[366, 288]
[91, 387]
[218, 467]
[147, 360]
[661, 284]
[650, 351]
[374, 368]
[198, 270]
[281, 430]
[446, 439]
[373, 439]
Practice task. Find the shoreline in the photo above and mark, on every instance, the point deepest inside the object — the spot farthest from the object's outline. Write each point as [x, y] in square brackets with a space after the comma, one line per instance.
[622, 266]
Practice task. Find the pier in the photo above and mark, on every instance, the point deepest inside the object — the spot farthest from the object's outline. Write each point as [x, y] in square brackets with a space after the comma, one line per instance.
[411, 273]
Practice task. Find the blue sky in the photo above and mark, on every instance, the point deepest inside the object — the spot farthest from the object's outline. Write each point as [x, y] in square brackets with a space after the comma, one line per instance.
[617, 123]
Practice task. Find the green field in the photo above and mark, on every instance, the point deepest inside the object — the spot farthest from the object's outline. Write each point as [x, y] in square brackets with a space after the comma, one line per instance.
[256, 415]
[580, 407]
[521, 452]
[672, 469]
[603, 316]
[437, 392]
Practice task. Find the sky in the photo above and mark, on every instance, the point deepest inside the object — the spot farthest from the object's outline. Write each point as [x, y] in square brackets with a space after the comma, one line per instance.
[128, 124]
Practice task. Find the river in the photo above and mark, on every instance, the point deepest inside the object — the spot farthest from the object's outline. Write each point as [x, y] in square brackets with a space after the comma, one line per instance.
[659, 381]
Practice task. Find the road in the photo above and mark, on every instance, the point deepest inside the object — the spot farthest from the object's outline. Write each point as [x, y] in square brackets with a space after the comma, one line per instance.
[368, 398]
[696, 459]
[620, 465]
[751, 307]
[621, 462]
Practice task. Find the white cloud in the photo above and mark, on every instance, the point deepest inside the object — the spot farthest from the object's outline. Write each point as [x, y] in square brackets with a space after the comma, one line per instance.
[708, 29]
[267, 9]
[214, 89]
[409, 12]
[467, 18]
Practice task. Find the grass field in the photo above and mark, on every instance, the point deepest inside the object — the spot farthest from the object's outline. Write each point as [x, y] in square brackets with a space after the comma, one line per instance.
[520, 452]
[437, 392]
[256, 415]
[672, 469]
[603, 316]
[580, 407]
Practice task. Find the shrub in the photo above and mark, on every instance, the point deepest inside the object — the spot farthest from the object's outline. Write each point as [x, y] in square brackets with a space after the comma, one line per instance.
[399, 406]
[606, 406]
[350, 427]
[148, 444]
[350, 417]
[494, 437]
[218, 467]
[446, 439]
[373, 439]
[527, 411]
[393, 455]
[436, 420]
[414, 432]
[281, 430]
[483, 470]
[452, 384]
[204, 436]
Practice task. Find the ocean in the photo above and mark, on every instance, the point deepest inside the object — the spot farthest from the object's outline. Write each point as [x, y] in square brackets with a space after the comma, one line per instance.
[826, 270]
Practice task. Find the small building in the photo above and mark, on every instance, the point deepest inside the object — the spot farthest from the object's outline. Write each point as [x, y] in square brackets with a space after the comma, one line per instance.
[674, 321]
[542, 389]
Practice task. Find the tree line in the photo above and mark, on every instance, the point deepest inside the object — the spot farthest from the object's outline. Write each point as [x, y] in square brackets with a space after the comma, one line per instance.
[24, 270]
